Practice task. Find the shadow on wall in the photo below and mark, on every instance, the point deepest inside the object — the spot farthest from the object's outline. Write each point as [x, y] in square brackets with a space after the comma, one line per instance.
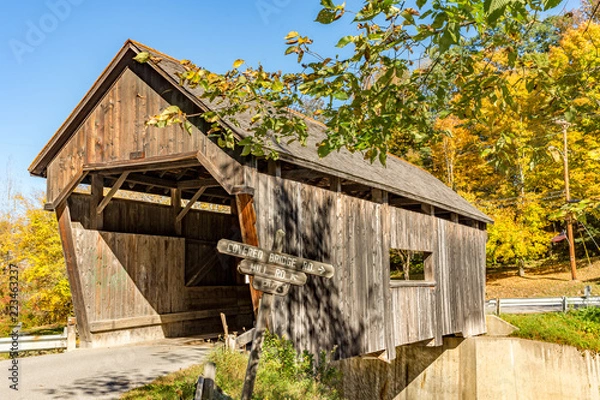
[312, 316]
[135, 267]
[403, 378]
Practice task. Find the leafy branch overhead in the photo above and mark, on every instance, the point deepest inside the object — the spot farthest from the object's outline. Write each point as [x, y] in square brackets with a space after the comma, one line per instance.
[399, 70]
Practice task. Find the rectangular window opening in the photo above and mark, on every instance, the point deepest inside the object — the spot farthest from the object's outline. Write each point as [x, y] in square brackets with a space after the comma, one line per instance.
[410, 265]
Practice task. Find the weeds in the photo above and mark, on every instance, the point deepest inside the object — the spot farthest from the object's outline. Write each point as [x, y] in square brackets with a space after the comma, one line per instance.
[282, 374]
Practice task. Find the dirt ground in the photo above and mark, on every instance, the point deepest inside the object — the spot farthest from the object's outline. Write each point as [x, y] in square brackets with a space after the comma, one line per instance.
[554, 281]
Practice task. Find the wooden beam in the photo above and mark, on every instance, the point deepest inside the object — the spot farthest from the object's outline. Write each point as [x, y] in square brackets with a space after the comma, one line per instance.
[152, 181]
[335, 184]
[112, 192]
[274, 168]
[176, 205]
[379, 196]
[63, 215]
[219, 194]
[382, 196]
[159, 163]
[62, 197]
[197, 183]
[189, 205]
[247, 217]
[301, 174]
[151, 320]
[401, 201]
[355, 188]
[96, 219]
[428, 209]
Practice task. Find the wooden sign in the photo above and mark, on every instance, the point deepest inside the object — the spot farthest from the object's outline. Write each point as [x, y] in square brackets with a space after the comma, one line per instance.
[273, 257]
[270, 286]
[272, 271]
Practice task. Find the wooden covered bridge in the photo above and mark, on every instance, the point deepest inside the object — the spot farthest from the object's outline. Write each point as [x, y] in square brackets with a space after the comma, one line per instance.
[146, 266]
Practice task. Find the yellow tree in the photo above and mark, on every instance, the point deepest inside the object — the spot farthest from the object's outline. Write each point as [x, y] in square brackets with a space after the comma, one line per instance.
[32, 242]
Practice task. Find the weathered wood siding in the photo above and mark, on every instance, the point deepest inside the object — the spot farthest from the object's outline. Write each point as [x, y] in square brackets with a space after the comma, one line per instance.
[133, 283]
[348, 310]
[66, 168]
[344, 231]
[114, 133]
[413, 314]
[460, 269]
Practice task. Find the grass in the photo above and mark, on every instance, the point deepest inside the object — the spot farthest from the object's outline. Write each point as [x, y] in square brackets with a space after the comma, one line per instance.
[281, 375]
[175, 386]
[580, 328]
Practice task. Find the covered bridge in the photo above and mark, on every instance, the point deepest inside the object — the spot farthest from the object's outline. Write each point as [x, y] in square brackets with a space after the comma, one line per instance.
[146, 267]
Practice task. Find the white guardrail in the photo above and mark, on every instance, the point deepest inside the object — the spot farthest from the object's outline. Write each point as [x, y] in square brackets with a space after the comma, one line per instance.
[27, 343]
[541, 305]
[67, 340]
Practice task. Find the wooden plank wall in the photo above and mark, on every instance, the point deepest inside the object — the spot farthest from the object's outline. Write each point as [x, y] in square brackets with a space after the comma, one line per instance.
[137, 270]
[130, 275]
[460, 263]
[413, 311]
[331, 227]
[347, 311]
[114, 133]
[65, 167]
[115, 129]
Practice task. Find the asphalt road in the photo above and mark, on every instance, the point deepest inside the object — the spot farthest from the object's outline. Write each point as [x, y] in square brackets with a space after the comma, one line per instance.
[96, 373]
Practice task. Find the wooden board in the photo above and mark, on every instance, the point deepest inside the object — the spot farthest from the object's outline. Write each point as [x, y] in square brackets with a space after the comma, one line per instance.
[272, 271]
[271, 286]
[288, 261]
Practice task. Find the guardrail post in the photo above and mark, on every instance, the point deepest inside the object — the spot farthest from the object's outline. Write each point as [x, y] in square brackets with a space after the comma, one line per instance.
[71, 334]
[564, 303]
[498, 306]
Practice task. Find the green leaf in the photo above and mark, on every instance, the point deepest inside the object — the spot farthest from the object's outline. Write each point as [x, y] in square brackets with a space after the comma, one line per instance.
[277, 86]
[495, 9]
[323, 150]
[142, 57]
[246, 150]
[569, 116]
[325, 16]
[210, 116]
[340, 95]
[344, 41]
[445, 41]
[383, 158]
[512, 57]
[171, 110]
[188, 127]
[327, 4]
[548, 4]
[421, 3]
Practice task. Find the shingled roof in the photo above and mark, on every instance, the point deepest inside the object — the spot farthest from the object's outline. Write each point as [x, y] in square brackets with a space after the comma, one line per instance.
[398, 176]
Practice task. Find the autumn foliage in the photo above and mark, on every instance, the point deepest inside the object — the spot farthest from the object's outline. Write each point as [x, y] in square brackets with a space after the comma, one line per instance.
[29, 238]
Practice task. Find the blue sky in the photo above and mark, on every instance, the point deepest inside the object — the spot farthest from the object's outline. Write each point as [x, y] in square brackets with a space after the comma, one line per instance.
[51, 52]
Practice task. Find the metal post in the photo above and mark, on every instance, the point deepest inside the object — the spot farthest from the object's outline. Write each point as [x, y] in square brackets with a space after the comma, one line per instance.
[264, 313]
